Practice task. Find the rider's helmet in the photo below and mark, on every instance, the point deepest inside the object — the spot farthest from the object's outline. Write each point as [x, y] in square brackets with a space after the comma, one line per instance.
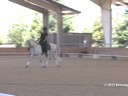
[45, 29]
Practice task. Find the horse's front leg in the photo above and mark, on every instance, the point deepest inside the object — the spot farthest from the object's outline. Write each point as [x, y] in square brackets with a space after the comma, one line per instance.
[29, 59]
[40, 58]
[43, 65]
[55, 56]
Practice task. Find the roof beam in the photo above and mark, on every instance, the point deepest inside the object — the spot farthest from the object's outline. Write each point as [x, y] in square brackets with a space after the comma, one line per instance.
[98, 2]
[120, 2]
[46, 5]
[53, 6]
[65, 8]
[43, 4]
[28, 5]
[105, 4]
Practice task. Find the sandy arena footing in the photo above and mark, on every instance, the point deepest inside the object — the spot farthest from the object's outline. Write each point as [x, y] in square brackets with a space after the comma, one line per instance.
[75, 77]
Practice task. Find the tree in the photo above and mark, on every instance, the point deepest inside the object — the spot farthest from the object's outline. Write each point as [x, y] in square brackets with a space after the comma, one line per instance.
[20, 32]
[36, 26]
[52, 24]
[16, 34]
[1, 39]
[120, 33]
[97, 33]
[67, 24]
[66, 29]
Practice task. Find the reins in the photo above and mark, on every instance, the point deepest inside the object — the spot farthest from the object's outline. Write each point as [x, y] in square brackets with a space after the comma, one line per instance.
[32, 46]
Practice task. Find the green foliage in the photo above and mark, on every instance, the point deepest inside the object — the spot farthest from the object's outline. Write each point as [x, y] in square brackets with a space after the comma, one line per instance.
[36, 26]
[1, 39]
[120, 33]
[67, 24]
[20, 33]
[97, 34]
[66, 29]
[16, 34]
[52, 24]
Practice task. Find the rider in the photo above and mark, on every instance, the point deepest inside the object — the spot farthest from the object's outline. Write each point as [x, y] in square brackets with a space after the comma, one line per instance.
[43, 40]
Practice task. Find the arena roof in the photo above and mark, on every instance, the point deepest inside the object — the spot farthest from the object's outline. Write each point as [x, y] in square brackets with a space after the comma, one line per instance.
[115, 2]
[50, 5]
[120, 2]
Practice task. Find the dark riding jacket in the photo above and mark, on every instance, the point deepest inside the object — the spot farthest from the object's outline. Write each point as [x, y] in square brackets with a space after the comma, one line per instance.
[43, 37]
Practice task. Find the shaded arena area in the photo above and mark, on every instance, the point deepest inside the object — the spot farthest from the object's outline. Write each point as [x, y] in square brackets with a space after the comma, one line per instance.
[75, 77]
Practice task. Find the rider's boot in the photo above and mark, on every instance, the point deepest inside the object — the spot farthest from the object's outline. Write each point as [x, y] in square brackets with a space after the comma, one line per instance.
[46, 54]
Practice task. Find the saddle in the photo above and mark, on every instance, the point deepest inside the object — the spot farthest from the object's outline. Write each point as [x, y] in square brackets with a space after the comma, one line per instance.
[48, 46]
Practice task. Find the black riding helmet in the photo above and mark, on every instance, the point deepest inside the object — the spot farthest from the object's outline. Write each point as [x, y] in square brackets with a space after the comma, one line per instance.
[44, 28]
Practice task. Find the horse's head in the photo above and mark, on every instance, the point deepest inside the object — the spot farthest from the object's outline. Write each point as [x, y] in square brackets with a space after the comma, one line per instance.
[31, 43]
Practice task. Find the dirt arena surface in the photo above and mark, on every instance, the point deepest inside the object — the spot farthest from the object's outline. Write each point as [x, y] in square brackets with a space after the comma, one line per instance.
[75, 77]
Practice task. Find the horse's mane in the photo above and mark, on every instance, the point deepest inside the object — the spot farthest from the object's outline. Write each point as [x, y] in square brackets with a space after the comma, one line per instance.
[34, 41]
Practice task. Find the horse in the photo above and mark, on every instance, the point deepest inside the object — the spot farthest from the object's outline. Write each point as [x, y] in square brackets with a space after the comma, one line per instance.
[35, 50]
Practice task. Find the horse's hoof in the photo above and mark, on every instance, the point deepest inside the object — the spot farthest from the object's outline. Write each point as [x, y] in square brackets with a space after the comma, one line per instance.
[58, 66]
[26, 66]
[43, 66]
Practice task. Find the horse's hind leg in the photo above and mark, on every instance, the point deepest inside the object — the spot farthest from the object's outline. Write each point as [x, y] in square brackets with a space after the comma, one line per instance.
[43, 65]
[28, 62]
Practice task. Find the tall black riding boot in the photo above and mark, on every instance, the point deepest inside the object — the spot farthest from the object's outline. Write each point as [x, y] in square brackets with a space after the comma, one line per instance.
[46, 54]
